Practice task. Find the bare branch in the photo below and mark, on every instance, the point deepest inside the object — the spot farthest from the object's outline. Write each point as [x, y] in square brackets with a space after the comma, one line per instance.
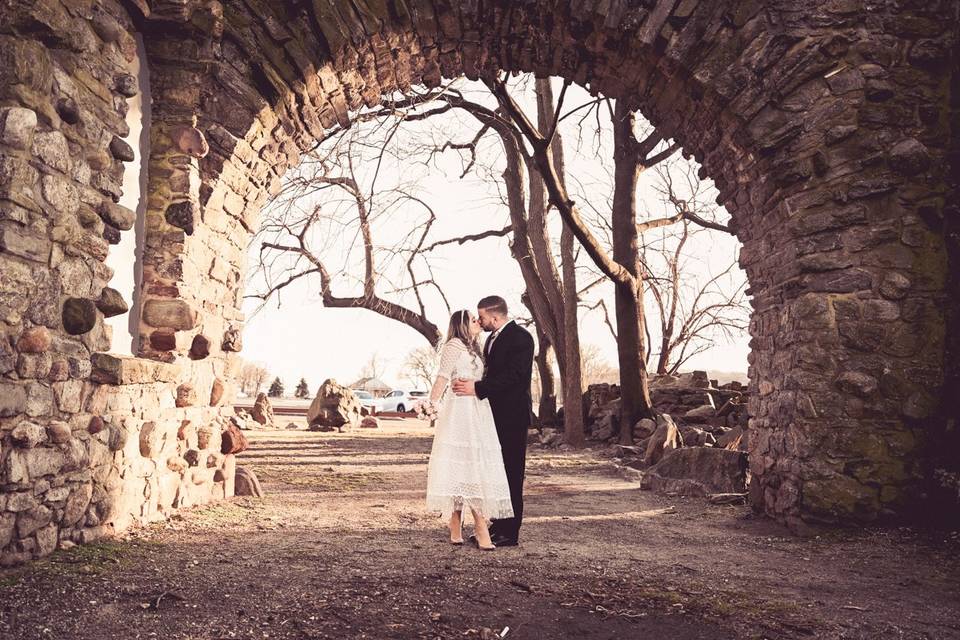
[470, 237]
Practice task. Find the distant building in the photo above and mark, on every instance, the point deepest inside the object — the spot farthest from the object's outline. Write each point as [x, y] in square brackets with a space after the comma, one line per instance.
[377, 387]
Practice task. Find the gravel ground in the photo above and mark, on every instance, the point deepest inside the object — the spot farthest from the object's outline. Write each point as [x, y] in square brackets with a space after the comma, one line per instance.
[341, 547]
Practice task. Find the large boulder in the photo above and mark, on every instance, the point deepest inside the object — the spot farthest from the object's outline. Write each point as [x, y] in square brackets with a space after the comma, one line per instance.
[262, 410]
[696, 437]
[598, 398]
[665, 438]
[644, 428]
[698, 471]
[335, 407]
[692, 396]
[734, 411]
[243, 420]
[604, 427]
[700, 415]
[737, 439]
[695, 379]
[247, 484]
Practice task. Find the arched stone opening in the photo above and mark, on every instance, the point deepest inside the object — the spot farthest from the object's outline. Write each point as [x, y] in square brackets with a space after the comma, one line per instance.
[825, 128]
[800, 126]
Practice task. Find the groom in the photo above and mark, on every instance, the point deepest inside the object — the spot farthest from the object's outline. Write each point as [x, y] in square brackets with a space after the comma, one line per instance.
[508, 366]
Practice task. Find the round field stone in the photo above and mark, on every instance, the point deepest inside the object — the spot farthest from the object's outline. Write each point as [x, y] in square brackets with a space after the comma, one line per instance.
[68, 110]
[126, 85]
[120, 150]
[34, 340]
[79, 315]
[111, 303]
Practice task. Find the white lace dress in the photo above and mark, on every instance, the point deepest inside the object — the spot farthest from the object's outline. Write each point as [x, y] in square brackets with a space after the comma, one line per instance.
[466, 466]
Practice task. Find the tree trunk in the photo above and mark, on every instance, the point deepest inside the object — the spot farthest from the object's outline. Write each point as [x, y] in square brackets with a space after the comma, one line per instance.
[529, 231]
[669, 322]
[547, 409]
[538, 300]
[664, 358]
[573, 418]
[631, 332]
[542, 254]
[572, 374]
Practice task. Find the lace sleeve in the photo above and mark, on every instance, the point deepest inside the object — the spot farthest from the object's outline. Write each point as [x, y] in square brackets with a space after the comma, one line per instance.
[449, 355]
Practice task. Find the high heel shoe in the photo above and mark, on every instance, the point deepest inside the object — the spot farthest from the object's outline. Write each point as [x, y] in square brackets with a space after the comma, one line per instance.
[455, 541]
[475, 539]
[476, 543]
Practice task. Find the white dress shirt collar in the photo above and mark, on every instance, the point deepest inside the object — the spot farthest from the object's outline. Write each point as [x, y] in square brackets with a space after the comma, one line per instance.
[493, 336]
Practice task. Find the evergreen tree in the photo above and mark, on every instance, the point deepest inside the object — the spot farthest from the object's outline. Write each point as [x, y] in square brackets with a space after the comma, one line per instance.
[302, 391]
[276, 388]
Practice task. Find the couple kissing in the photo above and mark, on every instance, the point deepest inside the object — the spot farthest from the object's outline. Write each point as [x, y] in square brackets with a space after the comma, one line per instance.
[481, 397]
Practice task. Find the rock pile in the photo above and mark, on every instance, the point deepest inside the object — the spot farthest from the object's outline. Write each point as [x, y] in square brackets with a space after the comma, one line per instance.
[335, 407]
[696, 446]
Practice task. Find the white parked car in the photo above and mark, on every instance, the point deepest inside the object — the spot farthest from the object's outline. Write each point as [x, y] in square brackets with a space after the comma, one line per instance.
[401, 401]
[367, 401]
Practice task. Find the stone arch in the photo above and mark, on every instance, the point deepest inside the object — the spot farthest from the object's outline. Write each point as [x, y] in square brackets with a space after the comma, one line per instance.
[826, 128]
[819, 148]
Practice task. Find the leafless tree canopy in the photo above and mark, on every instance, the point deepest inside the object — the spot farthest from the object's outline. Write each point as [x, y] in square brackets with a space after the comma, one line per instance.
[420, 366]
[355, 239]
[252, 378]
[323, 227]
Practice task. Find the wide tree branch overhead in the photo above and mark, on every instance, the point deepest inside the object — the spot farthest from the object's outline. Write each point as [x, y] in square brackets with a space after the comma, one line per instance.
[293, 231]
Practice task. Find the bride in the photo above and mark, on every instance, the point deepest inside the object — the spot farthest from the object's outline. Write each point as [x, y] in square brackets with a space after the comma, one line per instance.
[466, 466]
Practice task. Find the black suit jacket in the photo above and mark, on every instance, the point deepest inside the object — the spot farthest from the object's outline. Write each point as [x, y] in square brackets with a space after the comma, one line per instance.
[506, 379]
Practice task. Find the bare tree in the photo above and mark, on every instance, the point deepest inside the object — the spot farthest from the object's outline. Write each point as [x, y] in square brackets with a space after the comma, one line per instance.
[545, 380]
[623, 266]
[419, 367]
[547, 115]
[530, 243]
[596, 368]
[549, 291]
[329, 198]
[631, 157]
[371, 368]
[252, 378]
[692, 310]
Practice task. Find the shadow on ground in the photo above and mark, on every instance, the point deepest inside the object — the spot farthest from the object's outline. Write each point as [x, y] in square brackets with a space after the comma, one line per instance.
[341, 548]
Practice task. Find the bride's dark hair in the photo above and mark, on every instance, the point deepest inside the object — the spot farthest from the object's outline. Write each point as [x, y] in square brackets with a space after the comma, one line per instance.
[460, 329]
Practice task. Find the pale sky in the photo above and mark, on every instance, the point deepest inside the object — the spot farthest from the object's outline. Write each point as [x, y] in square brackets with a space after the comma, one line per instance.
[301, 338]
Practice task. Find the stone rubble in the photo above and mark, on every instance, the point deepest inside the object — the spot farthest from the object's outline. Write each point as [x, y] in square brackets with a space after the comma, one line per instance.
[703, 422]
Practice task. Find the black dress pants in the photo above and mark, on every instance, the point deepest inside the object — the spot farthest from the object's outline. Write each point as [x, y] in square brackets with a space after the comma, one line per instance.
[513, 445]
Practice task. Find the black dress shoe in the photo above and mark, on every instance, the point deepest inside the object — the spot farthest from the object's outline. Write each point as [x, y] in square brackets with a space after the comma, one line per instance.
[504, 541]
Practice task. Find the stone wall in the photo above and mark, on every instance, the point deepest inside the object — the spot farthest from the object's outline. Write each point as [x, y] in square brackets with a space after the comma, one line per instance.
[89, 442]
[826, 127]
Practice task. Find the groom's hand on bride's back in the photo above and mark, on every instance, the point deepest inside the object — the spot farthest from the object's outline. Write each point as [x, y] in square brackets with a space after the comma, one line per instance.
[463, 387]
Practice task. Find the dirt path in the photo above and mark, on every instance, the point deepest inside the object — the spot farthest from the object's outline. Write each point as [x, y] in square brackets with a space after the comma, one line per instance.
[341, 548]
